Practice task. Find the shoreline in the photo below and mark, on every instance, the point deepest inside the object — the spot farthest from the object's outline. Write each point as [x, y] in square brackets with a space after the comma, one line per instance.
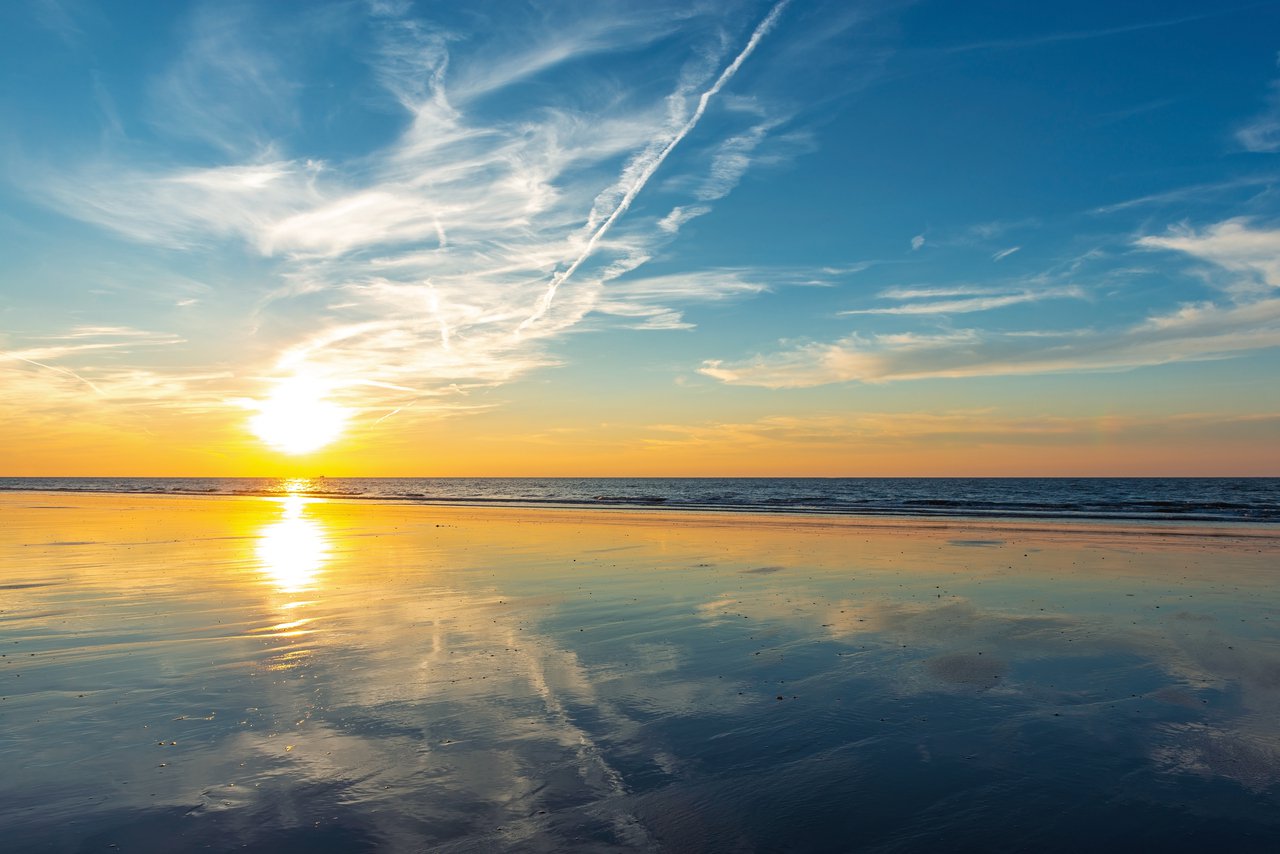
[1034, 502]
[731, 518]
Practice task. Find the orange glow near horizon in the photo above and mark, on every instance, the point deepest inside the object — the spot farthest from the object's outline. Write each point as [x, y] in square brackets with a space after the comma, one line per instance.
[563, 441]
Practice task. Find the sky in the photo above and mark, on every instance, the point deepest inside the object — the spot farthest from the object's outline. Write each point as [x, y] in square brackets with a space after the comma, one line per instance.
[844, 238]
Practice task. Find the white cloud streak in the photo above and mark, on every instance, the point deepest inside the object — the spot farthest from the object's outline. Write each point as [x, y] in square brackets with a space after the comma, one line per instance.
[1181, 195]
[968, 426]
[55, 368]
[975, 299]
[647, 164]
[49, 374]
[1199, 331]
[1234, 245]
[1193, 333]
[409, 271]
[647, 298]
[225, 89]
[1262, 132]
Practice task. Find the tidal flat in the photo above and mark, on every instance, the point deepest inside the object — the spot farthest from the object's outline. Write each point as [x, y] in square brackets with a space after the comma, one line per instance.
[290, 674]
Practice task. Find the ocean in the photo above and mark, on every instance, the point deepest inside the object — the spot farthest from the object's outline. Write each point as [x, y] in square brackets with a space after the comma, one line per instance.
[1246, 500]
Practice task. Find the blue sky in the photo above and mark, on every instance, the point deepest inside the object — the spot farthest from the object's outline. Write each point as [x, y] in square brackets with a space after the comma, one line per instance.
[753, 227]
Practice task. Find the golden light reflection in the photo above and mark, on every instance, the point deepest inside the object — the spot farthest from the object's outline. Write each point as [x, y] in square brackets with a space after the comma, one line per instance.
[285, 630]
[296, 486]
[293, 550]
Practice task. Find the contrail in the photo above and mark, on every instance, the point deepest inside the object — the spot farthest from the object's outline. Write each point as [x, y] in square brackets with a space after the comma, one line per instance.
[69, 373]
[395, 411]
[652, 166]
[434, 302]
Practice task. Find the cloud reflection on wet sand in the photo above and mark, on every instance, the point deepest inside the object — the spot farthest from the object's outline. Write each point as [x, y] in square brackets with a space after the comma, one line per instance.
[309, 675]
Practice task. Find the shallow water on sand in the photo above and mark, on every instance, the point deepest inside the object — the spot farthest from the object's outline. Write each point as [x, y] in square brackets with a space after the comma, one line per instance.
[286, 674]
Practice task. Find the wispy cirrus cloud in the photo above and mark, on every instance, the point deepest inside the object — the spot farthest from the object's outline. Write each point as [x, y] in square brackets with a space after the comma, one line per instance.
[651, 300]
[1249, 253]
[1261, 132]
[81, 339]
[50, 373]
[227, 88]
[1246, 321]
[1077, 35]
[943, 300]
[969, 426]
[642, 168]
[1192, 333]
[441, 259]
[1181, 195]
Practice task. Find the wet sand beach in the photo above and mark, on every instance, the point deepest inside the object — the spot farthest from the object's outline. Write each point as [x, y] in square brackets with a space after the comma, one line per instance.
[289, 674]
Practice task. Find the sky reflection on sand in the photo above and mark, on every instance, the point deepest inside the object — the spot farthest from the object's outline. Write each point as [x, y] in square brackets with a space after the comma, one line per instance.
[326, 676]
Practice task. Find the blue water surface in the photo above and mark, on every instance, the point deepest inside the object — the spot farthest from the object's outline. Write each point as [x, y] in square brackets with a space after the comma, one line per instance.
[1139, 499]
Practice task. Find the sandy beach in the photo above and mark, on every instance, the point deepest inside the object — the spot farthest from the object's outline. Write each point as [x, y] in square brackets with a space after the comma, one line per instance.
[294, 674]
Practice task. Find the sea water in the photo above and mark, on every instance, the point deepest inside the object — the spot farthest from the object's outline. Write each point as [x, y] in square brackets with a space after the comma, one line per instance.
[1136, 499]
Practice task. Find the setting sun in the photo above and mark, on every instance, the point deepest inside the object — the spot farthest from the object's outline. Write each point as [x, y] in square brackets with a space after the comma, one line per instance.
[297, 418]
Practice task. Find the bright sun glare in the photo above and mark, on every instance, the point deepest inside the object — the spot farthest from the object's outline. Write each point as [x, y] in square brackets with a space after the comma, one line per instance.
[294, 550]
[296, 418]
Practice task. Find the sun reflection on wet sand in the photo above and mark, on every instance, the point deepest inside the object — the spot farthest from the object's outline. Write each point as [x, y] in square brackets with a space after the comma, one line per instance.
[299, 673]
[293, 550]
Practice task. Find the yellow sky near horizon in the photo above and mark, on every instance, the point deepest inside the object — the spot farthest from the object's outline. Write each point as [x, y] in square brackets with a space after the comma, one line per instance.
[506, 442]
